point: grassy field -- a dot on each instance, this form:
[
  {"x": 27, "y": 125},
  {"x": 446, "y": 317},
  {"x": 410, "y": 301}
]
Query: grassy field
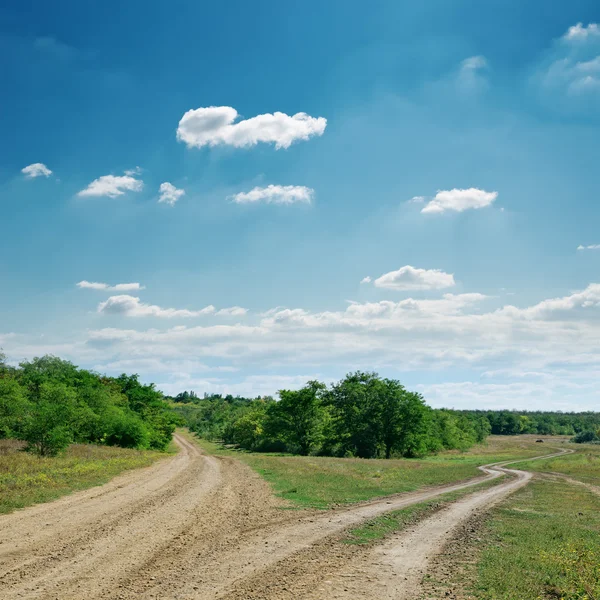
[
  {"x": 26, "y": 479},
  {"x": 548, "y": 533},
  {"x": 584, "y": 465},
  {"x": 321, "y": 482}
]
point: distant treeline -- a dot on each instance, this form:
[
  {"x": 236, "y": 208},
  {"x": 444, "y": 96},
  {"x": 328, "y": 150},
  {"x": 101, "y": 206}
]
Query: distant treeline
[
  {"x": 50, "y": 403},
  {"x": 509, "y": 422},
  {"x": 363, "y": 415}
]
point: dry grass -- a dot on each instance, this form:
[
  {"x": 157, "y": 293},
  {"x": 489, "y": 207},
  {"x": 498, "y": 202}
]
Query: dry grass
[{"x": 26, "y": 479}]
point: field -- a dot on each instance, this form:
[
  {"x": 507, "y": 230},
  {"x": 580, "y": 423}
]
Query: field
[
  {"x": 321, "y": 482},
  {"x": 26, "y": 479}
]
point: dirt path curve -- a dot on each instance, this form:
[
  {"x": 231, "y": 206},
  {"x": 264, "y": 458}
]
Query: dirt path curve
[
  {"x": 193, "y": 526},
  {"x": 394, "y": 569}
]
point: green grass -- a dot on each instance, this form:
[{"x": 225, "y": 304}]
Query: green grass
[
  {"x": 26, "y": 479},
  {"x": 543, "y": 542},
  {"x": 583, "y": 466},
  {"x": 380, "y": 527},
  {"x": 322, "y": 482}
]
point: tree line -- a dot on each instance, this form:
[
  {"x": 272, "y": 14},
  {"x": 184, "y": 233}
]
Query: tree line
[
  {"x": 362, "y": 415},
  {"x": 512, "y": 422},
  {"x": 50, "y": 403}
]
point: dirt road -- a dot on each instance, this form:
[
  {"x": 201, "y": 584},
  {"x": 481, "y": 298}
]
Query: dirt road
[{"x": 204, "y": 527}]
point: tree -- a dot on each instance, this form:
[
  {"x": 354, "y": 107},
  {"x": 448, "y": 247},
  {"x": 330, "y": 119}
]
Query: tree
[
  {"x": 358, "y": 414},
  {"x": 14, "y": 408},
  {"x": 48, "y": 427},
  {"x": 297, "y": 418}
]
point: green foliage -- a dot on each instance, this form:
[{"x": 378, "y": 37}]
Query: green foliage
[
  {"x": 363, "y": 415},
  {"x": 297, "y": 418},
  {"x": 49, "y": 424},
  {"x": 13, "y": 407},
  {"x": 587, "y": 437},
  {"x": 50, "y": 403},
  {"x": 509, "y": 422}
]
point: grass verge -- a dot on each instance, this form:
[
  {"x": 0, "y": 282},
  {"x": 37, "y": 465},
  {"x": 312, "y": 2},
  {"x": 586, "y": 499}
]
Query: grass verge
[
  {"x": 379, "y": 528},
  {"x": 26, "y": 479},
  {"x": 321, "y": 482},
  {"x": 548, "y": 533}
]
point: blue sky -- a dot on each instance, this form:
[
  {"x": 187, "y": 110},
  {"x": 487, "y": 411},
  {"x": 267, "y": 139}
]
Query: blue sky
[{"x": 409, "y": 188}]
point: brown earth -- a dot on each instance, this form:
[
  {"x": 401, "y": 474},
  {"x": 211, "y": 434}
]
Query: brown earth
[{"x": 205, "y": 527}]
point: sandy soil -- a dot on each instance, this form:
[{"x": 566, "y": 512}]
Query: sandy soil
[{"x": 204, "y": 527}]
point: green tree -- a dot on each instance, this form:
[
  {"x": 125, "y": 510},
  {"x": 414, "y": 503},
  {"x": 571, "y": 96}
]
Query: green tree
[
  {"x": 357, "y": 414},
  {"x": 297, "y": 418},
  {"x": 48, "y": 427},
  {"x": 14, "y": 407}
]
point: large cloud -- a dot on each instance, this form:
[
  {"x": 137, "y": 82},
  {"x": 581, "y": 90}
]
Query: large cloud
[
  {"x": 216, "y": 126},
  {"x": 275, "y": 194},
  {"x": 459, "y": 200},
  {"x": 410, "y": 278}
]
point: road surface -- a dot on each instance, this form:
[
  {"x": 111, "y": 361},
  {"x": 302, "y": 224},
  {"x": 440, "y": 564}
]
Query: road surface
[{"x": 203, "y": 527}]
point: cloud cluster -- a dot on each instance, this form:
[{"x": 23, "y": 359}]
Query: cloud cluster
[
  {"x": 216, "y": 126},
  {"x": 589, "y": 247},
  {"x": 275, "y": 194},
  {"x": 458, "y": 200},
  {"x": 36, "y": 170},
  {"x": 169, "y": 194},
  {"x": 572, "y": 69},
  {"x": 556, "y": 337},
  {"x": 106, "y": 287},
  {"x": 112, "y": 186},
  {"x": 411, "y": 278}
]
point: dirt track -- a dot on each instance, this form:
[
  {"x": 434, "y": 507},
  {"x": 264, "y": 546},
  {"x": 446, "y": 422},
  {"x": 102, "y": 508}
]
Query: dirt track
[{"x": 203, "y": 527}]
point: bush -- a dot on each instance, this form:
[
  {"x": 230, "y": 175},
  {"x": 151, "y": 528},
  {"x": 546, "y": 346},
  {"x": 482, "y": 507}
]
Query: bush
[{"x": 586, "y": 437}]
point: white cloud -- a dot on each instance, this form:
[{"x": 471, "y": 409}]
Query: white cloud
[
  {"x": 590, "y": 247},
  {"x": 119, "y": 287},
  {"x": 215, "y": 126},
  {"x": 459, "y": 200},
  {"x": 112, "y": 186},
  {"x": 169, "y": 193},
  {"x": 552, "y": 344},
  {"x": 410, "y": 278},
  {"x": 132, "y": 172},
  {"x": 580, "y": 32},
  {"x": 233, "y": 311},
  {"x": 131, "y": 306},
  {"x": 275, "y": 194},
  {"x": 36, "y": 170},
  {"x": 571, "y": 70},
  {"x": 417, "y": 199},
  {"x": 366, "y": 279}
]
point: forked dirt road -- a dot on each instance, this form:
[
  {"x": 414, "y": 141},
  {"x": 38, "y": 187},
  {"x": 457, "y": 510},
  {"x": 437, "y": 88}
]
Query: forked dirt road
[{"x": 204, "y": 527}]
